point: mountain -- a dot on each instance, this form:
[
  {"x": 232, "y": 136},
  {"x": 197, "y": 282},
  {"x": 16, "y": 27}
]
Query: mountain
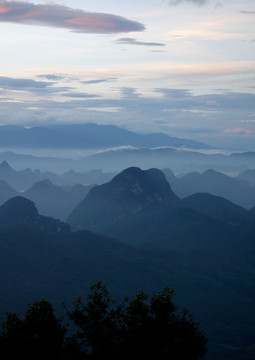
[
  {"x": 133, "y": 191},
  {"x": 6, "y": 192},
  {"x": 51, "y": 200},
  {"x": 248, "y": 175},
  {"x": 218, "y": 207},
  {"x": 216, "y": 286},
  {"x": 117, "y": 159},
  {"x": 94, "y": 176},
  {"x": 213, "y": 182},
  {"x": 142, "y": 210},
  {"x": 45, "y": 163},
  {"x": 87, "y": 136},
  {"x": 252, "y": 210},
  {"x": 23, "y": 211},
  {"x": 55, "y": 201}
]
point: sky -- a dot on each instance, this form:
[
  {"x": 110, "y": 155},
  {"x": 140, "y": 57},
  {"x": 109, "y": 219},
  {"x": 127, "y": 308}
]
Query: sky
[{"x": 183, "y": 67}]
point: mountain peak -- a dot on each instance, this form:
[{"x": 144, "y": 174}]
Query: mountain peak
[
  {"x": 18, "y": 207},
  {"x": 130, "y": 192},
  {"x": 5, "y": 166},
  {"x": 21, "y": 210}
]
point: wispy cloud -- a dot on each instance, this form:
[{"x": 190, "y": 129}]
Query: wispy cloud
[
  {"x": 238, "y": 131},
  {"x": 53, "y": 77},
  {"x": 80, "y": 95},
  {"x": 65, "y": 17},
  {"x": 9, "y": 83},
  {"x": 197, "y": 2},
  {"x": 247, "y": 12},
  {"x": 98, "y": 81},
  {"x": 133, "y": 41}
]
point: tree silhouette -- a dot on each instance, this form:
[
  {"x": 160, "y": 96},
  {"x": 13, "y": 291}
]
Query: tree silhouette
[
  {"x": 37, "y": 335},
  {"x": 140, "y": 327}
]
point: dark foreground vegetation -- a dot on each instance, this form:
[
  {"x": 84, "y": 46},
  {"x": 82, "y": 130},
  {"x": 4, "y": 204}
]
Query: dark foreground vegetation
[{"x": 100, "y": 327}]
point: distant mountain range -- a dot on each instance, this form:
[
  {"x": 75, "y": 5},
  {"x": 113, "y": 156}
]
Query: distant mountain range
[
  {"x": 201, "y": 245},
  {"x": 238, "y": 189},
  {"x": 49, "y": 190},
  {"x": 139, "y": 207},
  {"x": 86, "y": 136},
  {"x": 19, "y": 210},
  {"x": 179, "y": 160},
  {"x": 22, "y": 180}
]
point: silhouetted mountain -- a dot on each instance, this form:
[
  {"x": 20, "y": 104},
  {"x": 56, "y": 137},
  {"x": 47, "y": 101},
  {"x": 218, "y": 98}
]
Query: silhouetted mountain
[
  {"x": 6, "y": 192},
  {"x": 87, "y": 136},
  {"x": 45, "y": 163},
  {"x": 218, "y": 207},
  {"x": 50, "y": 199},
  {"x": 248, "y": 175},
  {"x": 133, "y": 191},
  {"x": 217, "y": 287},
  {"x": 135, "y": 209},
  {"x": 54, "y": 201},
  {"x": 21, "y": 210},
  {"x": 94, "y": 176},
  {"x": 252, "y": 210},
  {"x": 213, "y": 182}
]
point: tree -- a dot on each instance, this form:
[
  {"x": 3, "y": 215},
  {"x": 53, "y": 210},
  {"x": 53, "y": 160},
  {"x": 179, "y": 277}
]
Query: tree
[
  {"x": 140, "y": 327},
  {"x": 36, "y": 336},
  {"x": 137, "y": 328}
]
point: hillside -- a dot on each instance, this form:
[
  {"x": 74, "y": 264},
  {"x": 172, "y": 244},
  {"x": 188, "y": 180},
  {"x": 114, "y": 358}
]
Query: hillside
[
  {"x": 88, "y": 135},
  {"x": 133, "y": 191},
  {"x": 19, "y": 210},
  {"x": 62, "y": 266},
  {"x": 130, "y": 211},
  {"x": 232, "y": 188}
]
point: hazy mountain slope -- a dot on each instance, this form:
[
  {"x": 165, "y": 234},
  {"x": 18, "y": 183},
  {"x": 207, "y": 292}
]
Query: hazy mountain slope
[
  {"x": 87, "y": 136},
  {"x": 51, "y": 200},
  {"x": 124, "y": 209},
  {"x": 215, "y": 183},
  {"x": 62, "y": 266},
  {"x": 21, "y": 210},
  {"x": 55, "y": 201},
  {"x": 252, "y": 210},
  {"x": 218, "y": 207},
  {"x": 248, "y": 175},
  {"x": 6, "y": 192},
  {"x": 133, "y": 191}
]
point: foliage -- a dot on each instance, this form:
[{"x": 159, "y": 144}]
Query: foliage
[
  {"x": 35, "y": 336},
  {"x": 136, "y": 328},
  {"x": 103, "y": 328}
]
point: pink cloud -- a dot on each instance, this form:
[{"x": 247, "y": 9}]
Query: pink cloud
[
  {"x": 64, "y": 17},
  {"x": 238, "y": 131}
]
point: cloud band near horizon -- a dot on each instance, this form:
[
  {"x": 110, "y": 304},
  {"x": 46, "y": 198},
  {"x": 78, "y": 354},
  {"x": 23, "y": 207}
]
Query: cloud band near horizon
[{"x": 59, "y": 16}]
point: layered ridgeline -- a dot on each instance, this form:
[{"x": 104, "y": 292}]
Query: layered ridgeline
[
  {"x": 128, "y": 194},
  {"x": 19, "y": 210},
  {"x": 139, "y": 207},
  {"x": 203, "y": 247}
]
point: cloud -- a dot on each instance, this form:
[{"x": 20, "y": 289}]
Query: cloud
[
  {"x": 8, "y": 83},
  {"x": 247, "y": 12},
  {"x": 80, "y": 95},
  {"x": 196, "y": 2},
  {"x": 238, "y": 131},
  {"x": 54, "y": 77},
  {"x": 98, "y": 81},
  {"x": 64, "y": 17},
  {"x": 133, "y": 41}
]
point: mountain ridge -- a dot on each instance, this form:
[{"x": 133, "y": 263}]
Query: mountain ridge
[{"x": 87, "y": 135}]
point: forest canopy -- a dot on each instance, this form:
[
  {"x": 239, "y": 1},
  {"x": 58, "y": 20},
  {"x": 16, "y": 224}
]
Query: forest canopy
[{"x": 101, "y": 327}]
